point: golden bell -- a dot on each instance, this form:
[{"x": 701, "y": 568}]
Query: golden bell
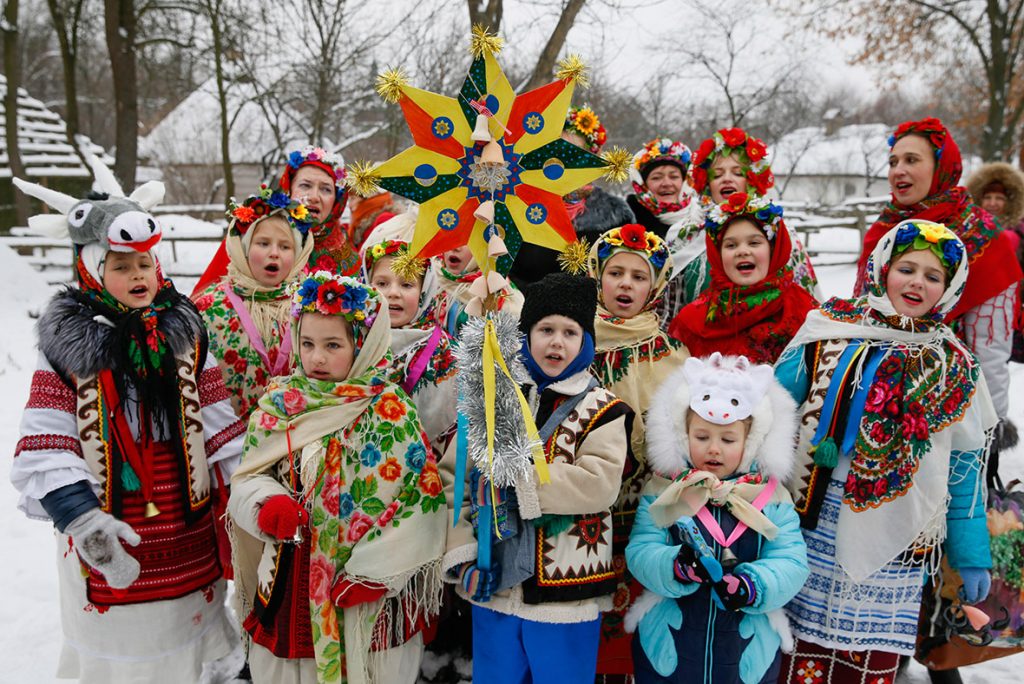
[
  {"x": 481, "y": 131},
  {"x": 151, "y": 510},
  {"x": 496, "y": 247},
  {"x": 496, "y": 282}
]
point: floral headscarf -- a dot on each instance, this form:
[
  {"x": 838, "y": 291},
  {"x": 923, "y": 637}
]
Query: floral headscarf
[
  {"x": 659, "y": 152},
  {"x": 584, "y": 122},
  {"x": 399, "y": 251},
  {"x": 634, "y": 239},
  {"x": 330, "y": 294},
  {"x": 751, "y": 153}
]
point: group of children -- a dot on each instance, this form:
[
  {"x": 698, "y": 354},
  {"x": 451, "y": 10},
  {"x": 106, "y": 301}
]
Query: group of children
[{"x": 700, "y": 513}]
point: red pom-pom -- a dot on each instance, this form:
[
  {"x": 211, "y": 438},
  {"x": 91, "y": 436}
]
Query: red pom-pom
[{"x": 281, "y": 516}]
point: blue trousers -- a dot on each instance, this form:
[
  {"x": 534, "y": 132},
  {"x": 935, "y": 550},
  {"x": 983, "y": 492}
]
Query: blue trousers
[{"x": 511, "y": 650}]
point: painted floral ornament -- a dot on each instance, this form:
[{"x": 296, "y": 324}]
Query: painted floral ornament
[{"x": 488, "y": 167}]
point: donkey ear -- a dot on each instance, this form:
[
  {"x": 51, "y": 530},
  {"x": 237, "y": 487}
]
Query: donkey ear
[
  {"x": 56, "y": 200},
  {"x": 148, "y": 195},
  {"x": 105, "y": 179}
]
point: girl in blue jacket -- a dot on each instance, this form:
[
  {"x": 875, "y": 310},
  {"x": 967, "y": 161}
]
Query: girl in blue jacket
[{"x": 716, "y": 541}]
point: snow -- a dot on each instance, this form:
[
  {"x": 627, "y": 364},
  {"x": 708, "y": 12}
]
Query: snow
[{"x": 29, "y": 611}]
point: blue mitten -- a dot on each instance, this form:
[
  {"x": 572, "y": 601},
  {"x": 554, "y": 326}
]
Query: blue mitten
[
  {"x": 736, "y": 591},
  {"x": 977, "y": 582},
  {"x": 480, "y": 583}
]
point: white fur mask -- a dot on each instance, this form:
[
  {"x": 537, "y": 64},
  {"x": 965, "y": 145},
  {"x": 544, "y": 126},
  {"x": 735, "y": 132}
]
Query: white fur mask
[{"x": 724, "y": 390}]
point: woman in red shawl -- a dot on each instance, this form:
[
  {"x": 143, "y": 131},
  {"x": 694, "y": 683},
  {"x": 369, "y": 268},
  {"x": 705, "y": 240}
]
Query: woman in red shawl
[
  {"x": 316, "y": 178},
  {"x": 924, "y": 172},
  {"x": 753, "y": 306}
]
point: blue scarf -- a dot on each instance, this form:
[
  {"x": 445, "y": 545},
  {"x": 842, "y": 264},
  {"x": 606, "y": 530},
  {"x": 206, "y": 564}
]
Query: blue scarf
[{"x": 582, "y": 361}]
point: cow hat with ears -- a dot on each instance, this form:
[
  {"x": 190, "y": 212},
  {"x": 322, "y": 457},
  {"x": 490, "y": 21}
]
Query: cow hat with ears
[{"x": 723, "y": 390}]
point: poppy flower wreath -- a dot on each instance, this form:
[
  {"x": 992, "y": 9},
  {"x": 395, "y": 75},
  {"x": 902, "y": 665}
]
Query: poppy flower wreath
[
  {"x": 765, "y": 213},
  {"x": 663, "y": 149},
  {"x": 935, "y": 237},
  {"x": 750, "y": 151},
  {"x": 584, "y": 122},
  {"x": 633, "y": 236},
  {"x": 269, "y": 202},
  {"x": 329, "y": 294},
  {"x": 930, "y": 127},
  {"x": 334, "y": 164}
]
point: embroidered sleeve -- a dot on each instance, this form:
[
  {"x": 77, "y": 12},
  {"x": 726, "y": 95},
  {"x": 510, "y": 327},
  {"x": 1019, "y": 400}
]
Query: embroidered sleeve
[
  {"x": 48, "y": 455},
  {"x": 222, "y": 428}
]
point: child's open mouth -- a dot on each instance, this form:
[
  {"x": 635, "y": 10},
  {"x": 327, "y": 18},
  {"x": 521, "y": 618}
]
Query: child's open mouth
[
  {"x": 624, "y": 301},
  {"x": 554, "y": 358},
  {"x": 139, "y": 291},
  {"x": 319, "y": 374},
  {"x": 912, "y": 298},
  {"x": 394, "y": 308},
  {"x": 746, "y": 267},
  {"x": 712, "y": 463},
  {"x": 453, "y": 262},
  {"x": 272, "y": 268}
]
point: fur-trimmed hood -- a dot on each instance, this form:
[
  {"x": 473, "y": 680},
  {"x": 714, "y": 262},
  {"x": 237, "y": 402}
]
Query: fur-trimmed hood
[
  {"x": 1011, "y": 178},
  {"x": 770, "y": 443},
  {"x": 77, "y": 341}
]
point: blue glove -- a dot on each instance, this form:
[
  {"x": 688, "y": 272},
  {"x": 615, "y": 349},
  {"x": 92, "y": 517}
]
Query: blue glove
[
  {"x": 480, "y": 584},
  {"x": 977, "y": 582}
]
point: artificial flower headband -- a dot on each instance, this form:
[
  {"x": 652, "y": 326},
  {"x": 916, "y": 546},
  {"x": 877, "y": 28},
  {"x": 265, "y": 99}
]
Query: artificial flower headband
[
  {"x": 266, "y": 203},
  {"x": 751, "y": 152},
  {"x": 664, "y": 150},
  {"x": 766, "y": 213},
  {"x": 634, "y": 237},
  {"x": 935, "y": 237},
  {"x": 325, "y": 293},
  {"x": 333, "y": 163},
  {"x": 405, "y": 265},
  {"x": 584, "y": 122}
]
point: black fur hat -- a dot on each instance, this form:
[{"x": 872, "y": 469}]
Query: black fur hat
[{"x": 560, "y": 294}]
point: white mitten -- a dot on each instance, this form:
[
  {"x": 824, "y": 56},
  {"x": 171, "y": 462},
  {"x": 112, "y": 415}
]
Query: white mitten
[{"x": 97, "y": 537}]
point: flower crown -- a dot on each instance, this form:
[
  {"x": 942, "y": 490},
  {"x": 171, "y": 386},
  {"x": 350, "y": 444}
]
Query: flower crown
[
  {"x": 663, "y": 149},
  {"x": 584, "y": 121},
  {"x": 765, "y": 212},
  {"x": 750, "y": 151},
  {"x": 325, "y": 293},
  {"x": 405, "y": 265},
  {"x": 319, "y": 155},
  {"x": 930, "y": 127},
  {"x": 935, "y": 237},
  {"x": 269, "y": 202},
  {"x": 632, "y": 236}
]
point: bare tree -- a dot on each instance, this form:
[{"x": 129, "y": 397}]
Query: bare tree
[
  {"x": 12, "y": 73},
  {"x": 922, "y": 31},
  {"x": 486, "y": 13},
  {"x": 121, "y": 23},
  {"x": 549, "y": 55},
  {"x": 66, "y": 16}
]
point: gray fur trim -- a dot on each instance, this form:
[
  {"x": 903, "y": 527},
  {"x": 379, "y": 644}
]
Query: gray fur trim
[
  {"x": 604, "y": 212},
  {"x": 78, "y": 342},
  {"x": 770, "y": 444},
  {"x": 1006, "y": 435},
  {"x": 1011, "y": 178}
]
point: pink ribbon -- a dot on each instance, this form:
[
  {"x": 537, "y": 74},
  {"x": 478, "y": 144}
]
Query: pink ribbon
[
  {"x": 704, "y": 515},
  {"x": 284, "y": 353},
  {"x": 420, "y": 361}
]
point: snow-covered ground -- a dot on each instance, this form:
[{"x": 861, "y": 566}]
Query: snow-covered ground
[{"x": 30, "y": 639}]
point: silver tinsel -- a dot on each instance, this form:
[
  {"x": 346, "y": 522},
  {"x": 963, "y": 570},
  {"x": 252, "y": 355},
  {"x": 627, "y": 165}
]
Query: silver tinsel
[{"x": 512, "y": 446}]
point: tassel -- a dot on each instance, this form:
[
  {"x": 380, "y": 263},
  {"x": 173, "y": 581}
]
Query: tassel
[
  {"x": 553, "y": 524},
  {"x": 129, "y": 480},
  {"x": 826, "y": 454}
]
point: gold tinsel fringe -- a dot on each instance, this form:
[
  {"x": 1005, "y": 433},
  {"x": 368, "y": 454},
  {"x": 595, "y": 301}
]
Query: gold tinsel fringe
[
  {"x": 573, "y": 258},
  {"x": 362, "y": 178},
  {"x": 390, "y": 84},
  {"x": 573, "y": 68},
  {"x": 618, "y": 161},
  {"x": 484, "y": 42},
  {"x": 408, "y": 266}
]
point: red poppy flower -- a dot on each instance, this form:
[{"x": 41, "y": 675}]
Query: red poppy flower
[
  {"x": 700, "y": 179},
  {"x": 762, "y": 182},
  {"x": 736, "y": 203},
  {"x": 756, "y": 150},
  {"x": 704, "y": 151},
  {"x": 258, "y": 208},
  {"x": 733, "y": 137},
  {"x": 633, "y": 236},
  {"x": 328, "y": 297}
]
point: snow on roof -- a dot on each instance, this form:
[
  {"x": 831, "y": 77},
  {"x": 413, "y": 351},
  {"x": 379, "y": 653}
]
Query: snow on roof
[
  {"x": 43, "y": 142},
  {"x": 855, "y": 150},
  {"x": 190, "y": 133}
]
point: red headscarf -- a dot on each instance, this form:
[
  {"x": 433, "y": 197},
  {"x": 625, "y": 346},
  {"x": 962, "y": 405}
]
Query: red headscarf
[
  {"x": 758, "y": 320},
  {"x": 993, "y": 268}
]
